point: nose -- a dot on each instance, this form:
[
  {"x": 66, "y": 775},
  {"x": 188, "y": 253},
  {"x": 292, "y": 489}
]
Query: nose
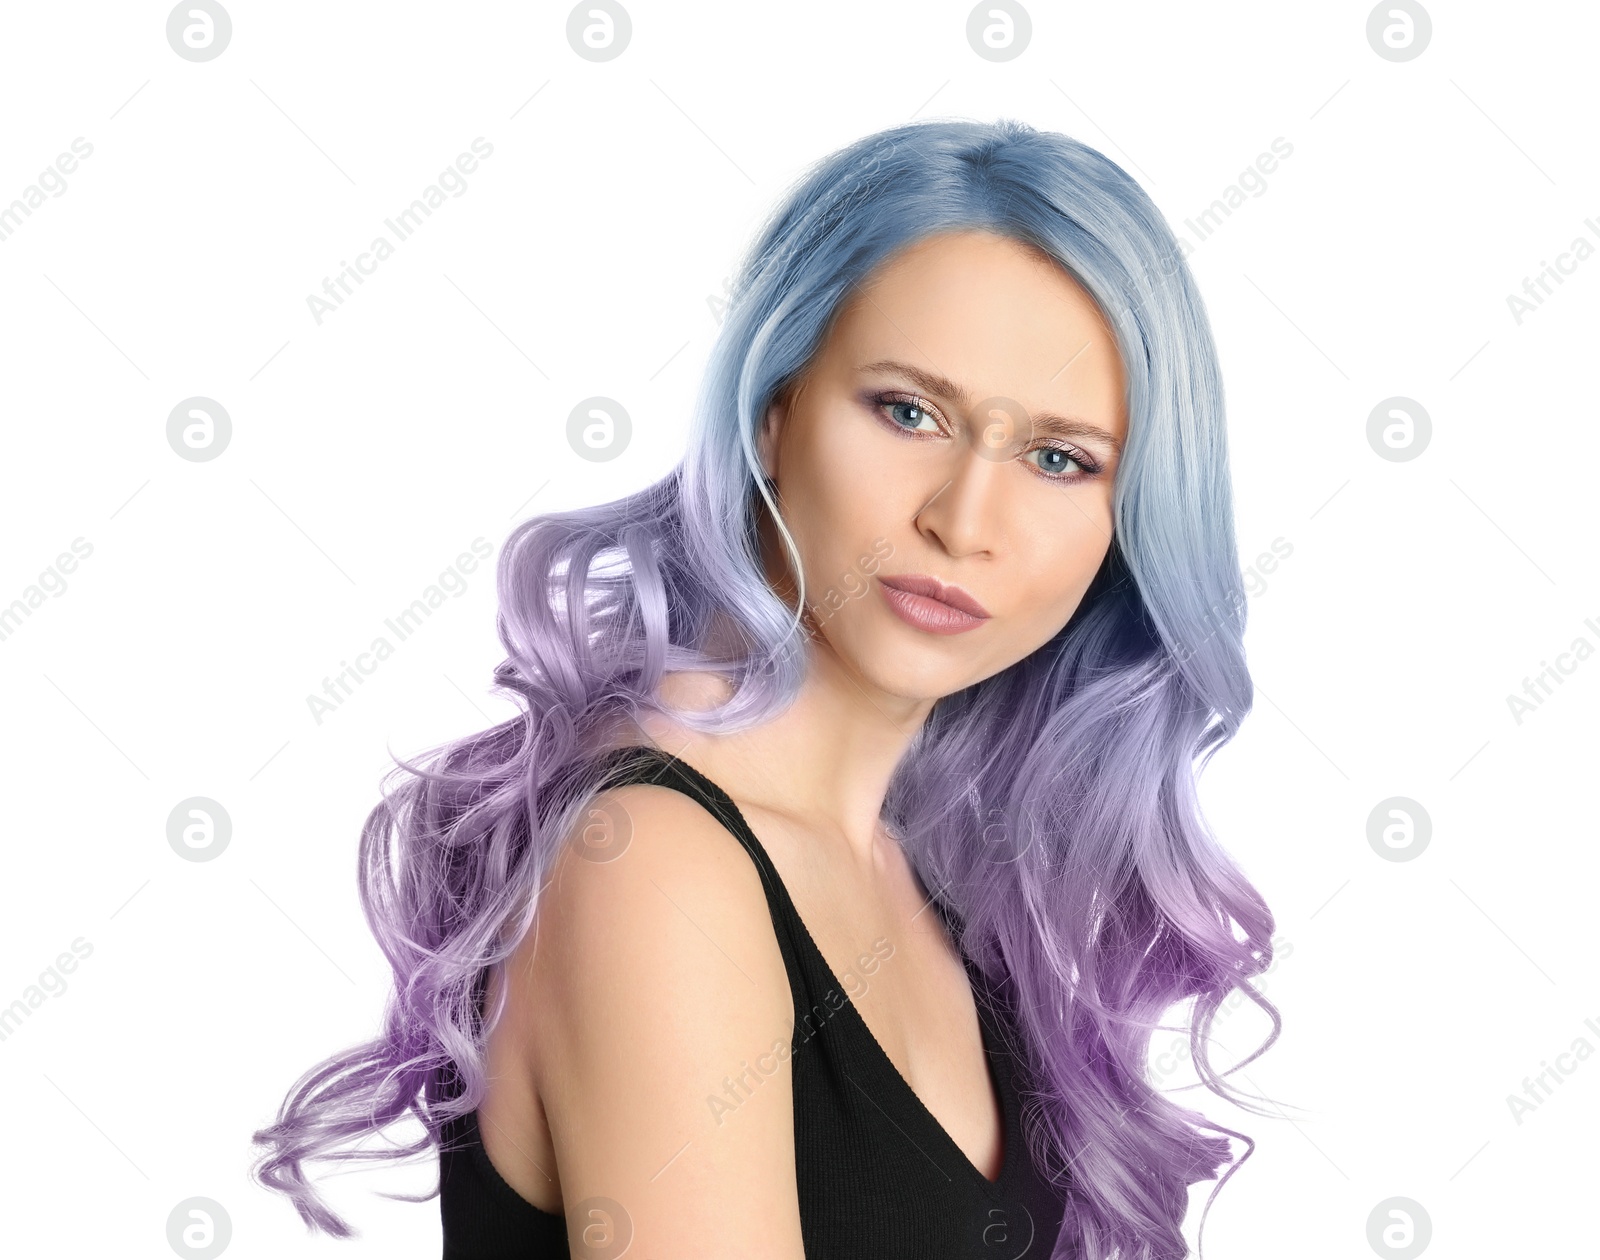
[{"x": 965, "y": 515}]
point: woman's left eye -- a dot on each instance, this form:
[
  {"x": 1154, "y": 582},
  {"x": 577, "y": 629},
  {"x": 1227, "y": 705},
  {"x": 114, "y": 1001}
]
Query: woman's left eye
[{"x": 1055, "y": 461}]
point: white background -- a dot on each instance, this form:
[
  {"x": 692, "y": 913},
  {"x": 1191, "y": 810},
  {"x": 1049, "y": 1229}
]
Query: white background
[{"x": 368, "y": 451}]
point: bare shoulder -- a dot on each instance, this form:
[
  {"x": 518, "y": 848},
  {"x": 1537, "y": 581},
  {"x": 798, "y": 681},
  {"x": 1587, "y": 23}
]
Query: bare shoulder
[
  {"x": 655, "y": 976},
  {"x": 640, "y": 864}
]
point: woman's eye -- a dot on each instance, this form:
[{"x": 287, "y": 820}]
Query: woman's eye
[
  {"x": 911, "y": 416},
  {"x": 1057, "y": 462}
]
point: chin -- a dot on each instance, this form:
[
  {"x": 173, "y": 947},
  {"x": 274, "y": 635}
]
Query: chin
[{"x": 898, "y": 665}]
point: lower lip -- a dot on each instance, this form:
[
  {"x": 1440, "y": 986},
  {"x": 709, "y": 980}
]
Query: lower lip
[{"x": 930, "y": 615}]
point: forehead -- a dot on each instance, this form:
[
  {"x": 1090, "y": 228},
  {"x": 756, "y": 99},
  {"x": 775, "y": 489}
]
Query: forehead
[{"x": 991, "y": 313}]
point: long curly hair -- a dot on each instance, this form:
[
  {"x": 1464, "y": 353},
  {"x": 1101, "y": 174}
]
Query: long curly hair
[{"x": 1053, "y": 804}]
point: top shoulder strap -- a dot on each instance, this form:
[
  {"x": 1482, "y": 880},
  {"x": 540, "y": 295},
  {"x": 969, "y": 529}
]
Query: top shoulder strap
[{"x": 642, "y": 763}]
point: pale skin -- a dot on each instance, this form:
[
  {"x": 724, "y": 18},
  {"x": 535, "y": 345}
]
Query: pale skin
[{"x": 651, "y": 978}]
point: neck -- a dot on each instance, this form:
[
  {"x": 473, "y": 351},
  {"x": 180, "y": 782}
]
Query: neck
[{"x": 827, "y": 759}]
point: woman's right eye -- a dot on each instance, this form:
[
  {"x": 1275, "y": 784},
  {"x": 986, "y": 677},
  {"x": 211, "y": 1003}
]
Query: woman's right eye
[{"x": 909, "y": 414}]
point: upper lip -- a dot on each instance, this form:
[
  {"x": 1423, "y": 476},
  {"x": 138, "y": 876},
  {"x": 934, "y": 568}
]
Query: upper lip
[{"x": 933, "y": 588}]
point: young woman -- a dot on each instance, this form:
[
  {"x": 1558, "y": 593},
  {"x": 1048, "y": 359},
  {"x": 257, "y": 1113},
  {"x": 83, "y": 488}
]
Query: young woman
[{"x": 826, "y": 896}]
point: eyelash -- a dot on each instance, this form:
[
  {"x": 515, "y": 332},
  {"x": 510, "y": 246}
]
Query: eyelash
[{"x": 1090, "y": 466}]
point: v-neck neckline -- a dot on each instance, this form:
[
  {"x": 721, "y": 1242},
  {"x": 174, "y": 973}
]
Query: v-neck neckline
[
  {"x": 994, "y": 1064},
  {"x": 994, "y": 1051}
]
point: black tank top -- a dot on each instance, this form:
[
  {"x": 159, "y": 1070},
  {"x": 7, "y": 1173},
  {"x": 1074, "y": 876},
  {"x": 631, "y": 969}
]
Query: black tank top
[{"x": 878, "y": 1175}]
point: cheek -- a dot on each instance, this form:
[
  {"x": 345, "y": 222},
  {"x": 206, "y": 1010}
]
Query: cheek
[
  {"x": 1055, "y": 574},
  {"x": 833, "y": 494}
]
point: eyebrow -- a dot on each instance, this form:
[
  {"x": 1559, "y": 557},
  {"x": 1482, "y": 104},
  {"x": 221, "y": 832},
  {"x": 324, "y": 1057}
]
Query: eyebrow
[{"x": 942, "y": 386}]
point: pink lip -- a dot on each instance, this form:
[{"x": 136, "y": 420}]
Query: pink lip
[{"x": 928, "y": 604}]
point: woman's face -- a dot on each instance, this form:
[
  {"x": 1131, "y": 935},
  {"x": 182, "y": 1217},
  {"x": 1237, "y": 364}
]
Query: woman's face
[{"x": 962, "y": 422}]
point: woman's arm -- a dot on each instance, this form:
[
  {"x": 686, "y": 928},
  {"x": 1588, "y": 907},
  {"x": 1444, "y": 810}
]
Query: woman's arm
[{"x": 656, "y": 986}]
